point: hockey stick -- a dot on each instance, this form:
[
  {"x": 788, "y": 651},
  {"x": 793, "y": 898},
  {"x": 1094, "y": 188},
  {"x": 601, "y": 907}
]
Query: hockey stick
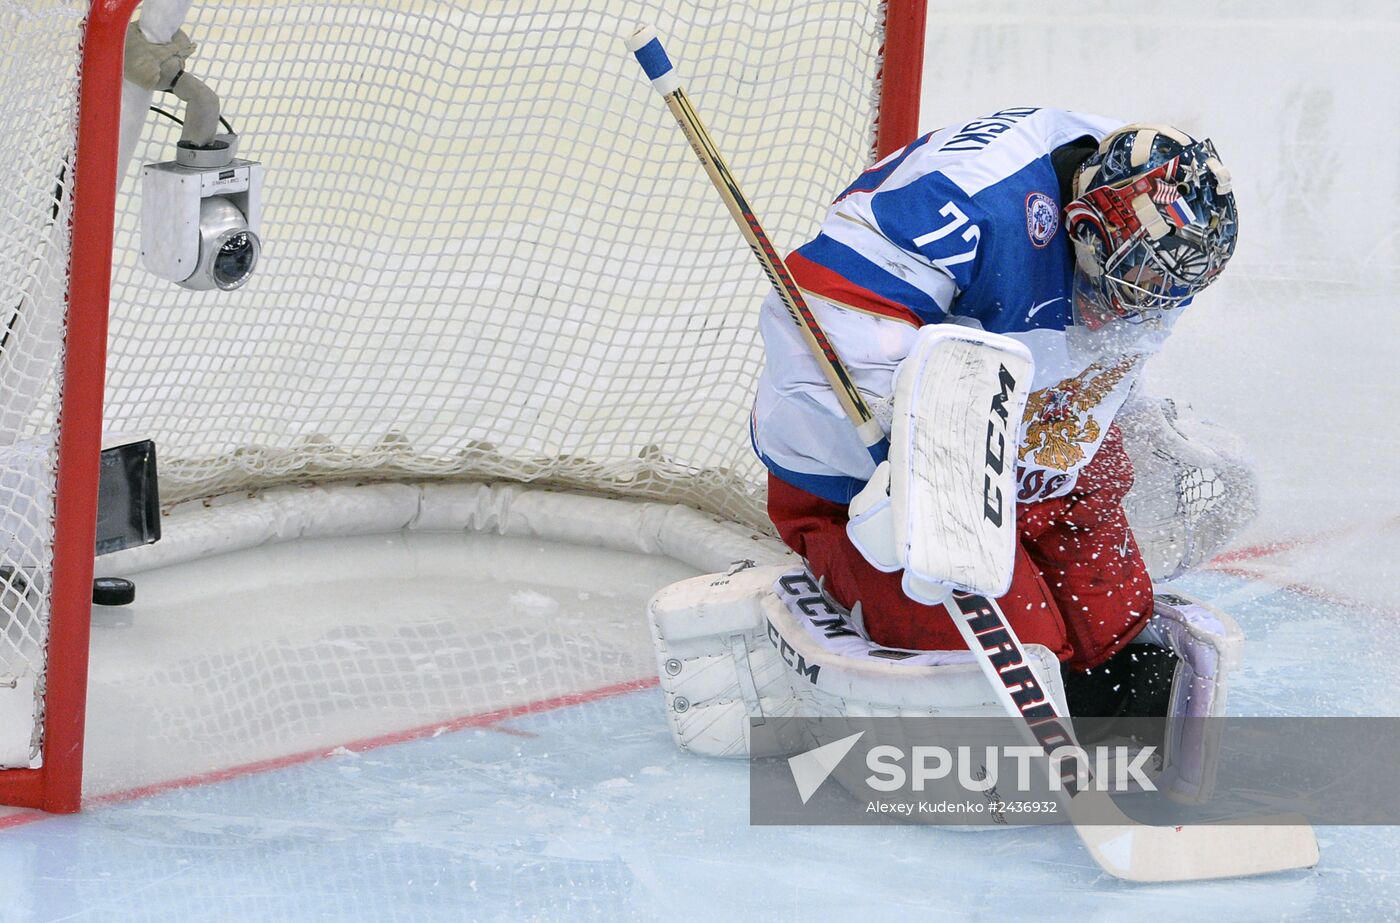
[
  {"x": 1121, "y": 846},
  {"x": 646, "y": 45}
]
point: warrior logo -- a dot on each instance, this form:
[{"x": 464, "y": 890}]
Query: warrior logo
[
  {"x": 1042, "y": 219},
  {"x": 1058, "y": 424}
]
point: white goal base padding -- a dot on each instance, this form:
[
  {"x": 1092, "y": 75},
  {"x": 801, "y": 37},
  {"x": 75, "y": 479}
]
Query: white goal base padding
[
  {"x": 199, "y": 529},
  {"x": 314, "y": 619}
]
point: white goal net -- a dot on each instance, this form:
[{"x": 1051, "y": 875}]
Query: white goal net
[
  {"x": 487, "y": 251},
  {"x": 487, "y": 254}
]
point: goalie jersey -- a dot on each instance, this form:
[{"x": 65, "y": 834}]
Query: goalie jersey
[{"x": 961, "y": 226}]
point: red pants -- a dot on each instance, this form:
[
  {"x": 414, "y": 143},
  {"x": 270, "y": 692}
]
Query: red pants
[{"x": 1079, "y": 587}]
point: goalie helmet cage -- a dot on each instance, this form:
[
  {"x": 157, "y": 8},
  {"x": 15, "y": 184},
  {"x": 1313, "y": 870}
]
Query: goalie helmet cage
[{"x": 487, "y": 258}]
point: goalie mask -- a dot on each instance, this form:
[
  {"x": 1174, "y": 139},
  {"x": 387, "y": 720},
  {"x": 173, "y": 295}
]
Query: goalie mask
[{"x": 1152, "y": 223}]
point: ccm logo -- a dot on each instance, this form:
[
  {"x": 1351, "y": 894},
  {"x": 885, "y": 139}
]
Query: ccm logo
[
  {"x": 791, "y": 657},
  {"x": 996, "y": 448}
]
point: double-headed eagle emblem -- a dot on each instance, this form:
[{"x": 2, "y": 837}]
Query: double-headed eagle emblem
[{"x": 1058, "y": 421}]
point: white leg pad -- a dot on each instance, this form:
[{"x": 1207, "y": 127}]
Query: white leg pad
[
  {"x": 768, "y": 643},
  {"x": 1209, "y": 644},
  {"x": 716, "y": 665}
]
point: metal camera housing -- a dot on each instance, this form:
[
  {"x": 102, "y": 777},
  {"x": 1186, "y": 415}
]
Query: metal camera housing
[
  {"x": 200, "y": 216},
  {"x": 228, "y": 249}
]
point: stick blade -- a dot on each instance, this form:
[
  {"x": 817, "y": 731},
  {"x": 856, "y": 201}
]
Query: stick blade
[{"x": 1135, "y": 852}]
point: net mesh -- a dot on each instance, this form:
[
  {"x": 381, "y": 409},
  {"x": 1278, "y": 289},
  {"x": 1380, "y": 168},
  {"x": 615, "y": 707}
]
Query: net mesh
[
  {"x": 1194, "y": 487},
  {"x": 38, "y": 108},
  {"x": 488, "y": 252}
]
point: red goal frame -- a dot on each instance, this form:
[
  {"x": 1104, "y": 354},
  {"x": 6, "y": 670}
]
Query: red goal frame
[{"x": 57, "y": 785}]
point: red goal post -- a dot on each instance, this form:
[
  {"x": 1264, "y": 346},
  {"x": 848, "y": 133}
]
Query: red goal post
[
  {"x": 56, "y": 785},
  {"x": 54, "y": 782},
  {"x": 901, "y": 75}
]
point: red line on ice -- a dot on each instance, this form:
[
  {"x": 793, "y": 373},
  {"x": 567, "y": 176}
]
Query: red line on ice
[
  {"x": 1303, "y": 589},
  {"x": 1268, "y": 549},
  {"x": 487, "y": 719}
]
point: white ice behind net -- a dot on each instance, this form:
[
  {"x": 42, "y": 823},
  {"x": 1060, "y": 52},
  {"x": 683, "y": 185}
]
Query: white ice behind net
[{"x": 488, "y": 252}]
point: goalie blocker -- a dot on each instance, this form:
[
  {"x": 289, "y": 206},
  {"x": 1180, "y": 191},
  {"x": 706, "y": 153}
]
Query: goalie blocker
[{"x": 942, "y": 509}]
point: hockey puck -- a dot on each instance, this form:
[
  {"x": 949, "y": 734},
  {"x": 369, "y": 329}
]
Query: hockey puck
[{"x": 112, "y": 591}]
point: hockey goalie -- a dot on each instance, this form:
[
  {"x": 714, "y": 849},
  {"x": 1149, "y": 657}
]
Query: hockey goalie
[{"x": 1053, "y": 249}]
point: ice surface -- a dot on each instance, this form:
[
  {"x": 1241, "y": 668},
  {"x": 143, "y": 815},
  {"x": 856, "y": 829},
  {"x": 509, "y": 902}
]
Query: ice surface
[
  {"x": 281, "y": 650},
  {"x": 433, "y": 728},
  {"x": 433, "y": 768}
]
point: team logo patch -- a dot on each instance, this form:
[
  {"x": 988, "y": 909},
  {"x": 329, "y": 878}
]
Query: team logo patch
[
  {"x": 1059, "y": 421},
  {"x": 1042, "y": 218}
]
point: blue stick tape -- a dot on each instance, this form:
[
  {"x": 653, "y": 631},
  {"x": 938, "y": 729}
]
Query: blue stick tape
[{"x": 653, "y": 59}]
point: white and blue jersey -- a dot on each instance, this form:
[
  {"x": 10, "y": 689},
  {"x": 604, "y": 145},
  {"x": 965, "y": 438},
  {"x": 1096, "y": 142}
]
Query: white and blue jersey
[{"x": 961, "y": 226}]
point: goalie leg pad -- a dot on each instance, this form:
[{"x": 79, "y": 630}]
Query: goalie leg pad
[
  {"x": 768, "y": 643},
  {"x": 716, "y": 664},
  {"x": 1208, "y": 644}
]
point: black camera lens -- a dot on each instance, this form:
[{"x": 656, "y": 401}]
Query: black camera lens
[{"x": 234, "y": 262}]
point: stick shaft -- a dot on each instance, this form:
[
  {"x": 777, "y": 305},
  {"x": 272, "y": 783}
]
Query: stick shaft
[{"x": 702, "y": 142}]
